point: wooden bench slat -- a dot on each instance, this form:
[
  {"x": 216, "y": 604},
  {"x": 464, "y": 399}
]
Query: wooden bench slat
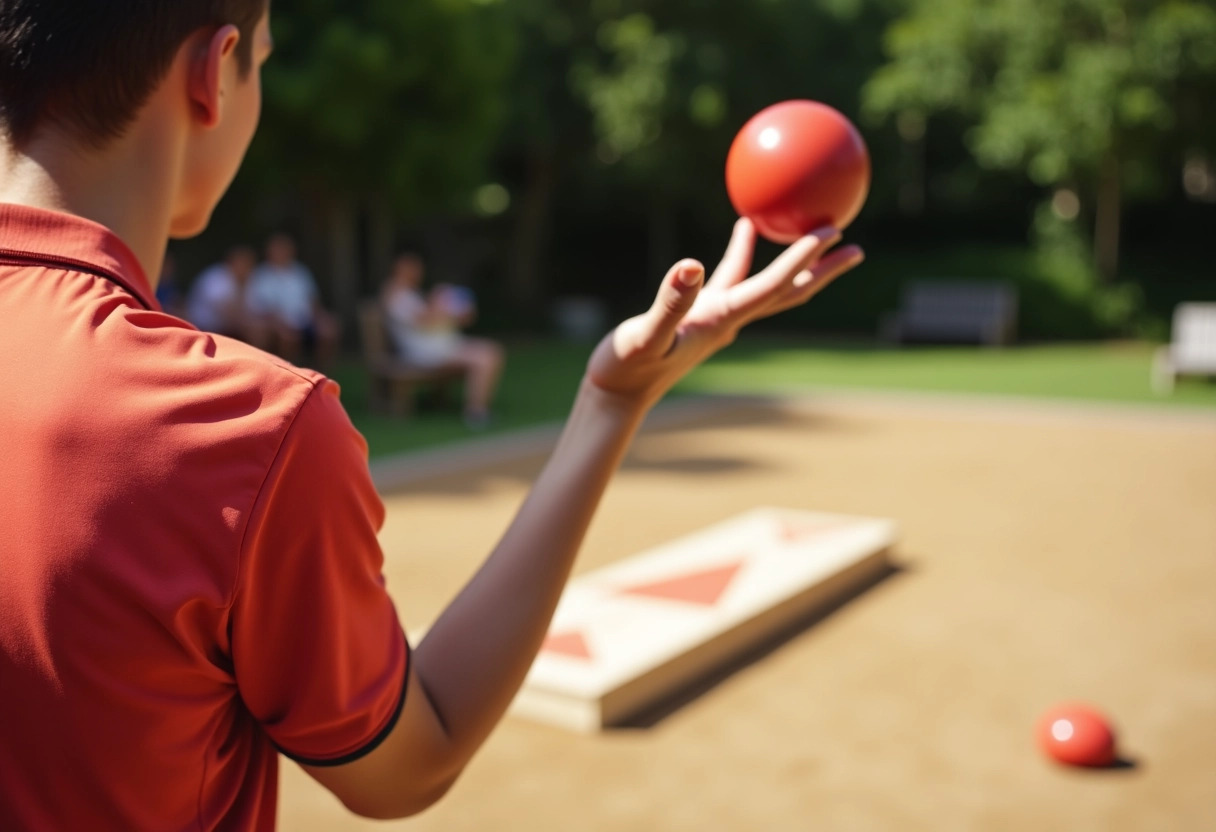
[
  {"x": 394, "y": 381},
  {"x": 954, "y": 310}
]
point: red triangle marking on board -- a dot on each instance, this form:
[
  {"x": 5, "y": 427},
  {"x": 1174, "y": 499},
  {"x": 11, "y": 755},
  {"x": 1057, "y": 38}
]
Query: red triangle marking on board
[
  {"x": 573, "y": 645},
  {"x": 800, "y": 532},
  {"x": 702, "y": 588}
]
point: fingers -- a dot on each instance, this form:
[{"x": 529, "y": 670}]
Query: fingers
[
  {"x": 799, "y": 255},
  {"x": 750, "y": 298},
  {"x": 676, "y": 296},
  {"x": 737, "y": 262},
  {"x": 813, "y": 281}
]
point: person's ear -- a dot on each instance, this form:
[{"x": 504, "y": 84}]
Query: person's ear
[{"x": 207, "y": 74}]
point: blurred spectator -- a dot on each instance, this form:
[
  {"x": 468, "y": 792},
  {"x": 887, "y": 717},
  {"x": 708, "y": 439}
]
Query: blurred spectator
[
  {"x": 285, "y": 310},
  {"x": 217, "y": 299},
  {"x": 426, "y": 332},
  {"x": 168, "y": 294}
]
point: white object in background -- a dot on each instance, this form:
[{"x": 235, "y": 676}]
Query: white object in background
[
  {"x": 628, "y": 635},
  {"x": 1192, "y": 350}
]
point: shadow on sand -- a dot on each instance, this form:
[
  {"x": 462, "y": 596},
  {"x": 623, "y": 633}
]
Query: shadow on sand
[{"x": 657, "y": 712}]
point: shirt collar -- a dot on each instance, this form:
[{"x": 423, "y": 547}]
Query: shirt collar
[{"x": 56, "y": 239}]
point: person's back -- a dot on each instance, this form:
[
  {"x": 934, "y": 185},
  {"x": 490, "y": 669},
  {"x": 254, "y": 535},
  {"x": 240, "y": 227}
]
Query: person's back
[
  {"x": 140, "y": 539},
  {"x": 78, "y": 527},
  {"x": 191, "y": 580}
]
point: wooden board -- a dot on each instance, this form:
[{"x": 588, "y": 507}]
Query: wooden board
[{"x": 628, "y": 635}]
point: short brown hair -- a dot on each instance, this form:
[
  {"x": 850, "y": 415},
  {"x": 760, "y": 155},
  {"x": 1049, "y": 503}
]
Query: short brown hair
[{"x": 90, "y": 65}]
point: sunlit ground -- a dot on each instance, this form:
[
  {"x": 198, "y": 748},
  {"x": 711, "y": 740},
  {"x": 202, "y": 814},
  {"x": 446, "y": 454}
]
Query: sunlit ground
[{"x": 1046, "y": 554}]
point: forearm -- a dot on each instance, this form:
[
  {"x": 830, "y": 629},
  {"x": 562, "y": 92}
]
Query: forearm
[
  {"x": 471, "y": 664},
  {"x": 475, "y": 657}
]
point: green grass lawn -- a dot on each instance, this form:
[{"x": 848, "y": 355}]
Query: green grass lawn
[
  {"x": 542, "y": 376},
  {"x": 1115, "y": 372}
]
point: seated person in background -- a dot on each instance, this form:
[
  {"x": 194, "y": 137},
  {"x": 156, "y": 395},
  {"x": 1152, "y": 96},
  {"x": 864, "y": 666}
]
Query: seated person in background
[
  {"x": 285, "y": 312},
  {"x": 217, "y": 299},
  {"x": 426, "y": 332},
  {"x": 168, "y": 295}
]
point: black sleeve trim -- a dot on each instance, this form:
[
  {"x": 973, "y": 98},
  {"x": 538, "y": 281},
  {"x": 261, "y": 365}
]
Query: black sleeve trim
[{"x": 375, "y": 741}]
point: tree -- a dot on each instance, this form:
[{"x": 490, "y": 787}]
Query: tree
[
  {"x": 669, "y": 82},
  {"x": 377, "y": 109},
  {"x": 1091, "y": 95}
]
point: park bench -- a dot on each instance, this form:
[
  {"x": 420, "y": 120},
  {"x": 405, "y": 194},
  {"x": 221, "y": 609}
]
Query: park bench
[
  {"x": 942, "y": 310},
  {"x": 1192, "y": 350},
  {"x": 394, "y": 382}
]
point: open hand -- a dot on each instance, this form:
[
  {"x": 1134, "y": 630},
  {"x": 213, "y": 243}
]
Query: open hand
[{"x": 646, "y": 355}]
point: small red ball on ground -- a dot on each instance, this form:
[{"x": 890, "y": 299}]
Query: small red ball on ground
[
  {"x": 1077, "y": 735},
  {"x": 797, "y": 166}
]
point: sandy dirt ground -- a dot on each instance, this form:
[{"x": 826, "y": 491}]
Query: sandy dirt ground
[{"x": 1047, "y": 553}]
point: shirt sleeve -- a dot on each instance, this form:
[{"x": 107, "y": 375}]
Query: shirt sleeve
[{"x": 319, "y": 655}]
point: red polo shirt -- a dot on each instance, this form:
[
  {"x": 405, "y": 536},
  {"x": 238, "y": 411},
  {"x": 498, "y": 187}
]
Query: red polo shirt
[{"x": 190, "y": 579}]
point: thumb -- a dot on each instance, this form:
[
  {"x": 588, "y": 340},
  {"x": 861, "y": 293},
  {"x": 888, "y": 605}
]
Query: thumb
[{"x": 676, "y": 296}]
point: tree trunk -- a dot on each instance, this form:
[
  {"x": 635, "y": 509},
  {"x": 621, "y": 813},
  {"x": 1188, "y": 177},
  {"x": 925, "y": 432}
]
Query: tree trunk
[
  {"x": 344, "y": 258},
  {"x": 661, "y": 251},
  {"x": 532, "y": 231},
  {"x": 381, "y": 243},
  {"x": 1107, "y": 219},
  {"x": 914, "y": 147}
]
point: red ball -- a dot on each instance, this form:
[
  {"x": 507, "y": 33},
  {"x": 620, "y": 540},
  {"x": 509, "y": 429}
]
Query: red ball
[
  {"x": 1077, "y": 735},
  {"x": 797, "y": 166}
]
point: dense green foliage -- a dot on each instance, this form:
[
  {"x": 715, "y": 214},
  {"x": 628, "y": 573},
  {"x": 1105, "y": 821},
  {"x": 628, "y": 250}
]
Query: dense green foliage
[
  {"x": 1095, "y": 98},
  {"x": 383, "y": 99},
  {"x": 1058, "y": 87},
  {"x": 537, "y": 148}
]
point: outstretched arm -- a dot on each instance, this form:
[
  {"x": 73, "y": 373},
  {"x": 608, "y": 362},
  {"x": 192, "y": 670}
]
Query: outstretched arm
[{"x": 472, "y": 662}]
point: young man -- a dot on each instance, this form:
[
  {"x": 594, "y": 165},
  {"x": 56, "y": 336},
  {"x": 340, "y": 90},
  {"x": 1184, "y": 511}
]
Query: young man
[{"x": 191, "y": 580}]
